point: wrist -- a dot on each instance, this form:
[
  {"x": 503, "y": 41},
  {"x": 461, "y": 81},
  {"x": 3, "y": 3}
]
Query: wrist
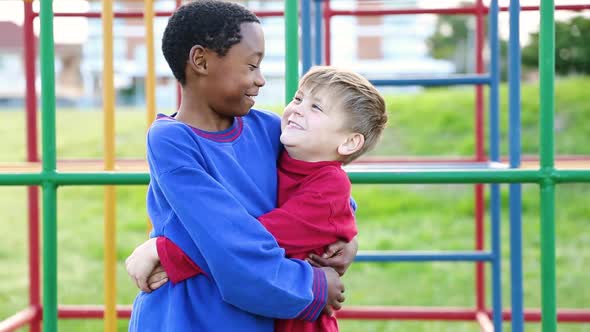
[{"x": 153, "y": 250}]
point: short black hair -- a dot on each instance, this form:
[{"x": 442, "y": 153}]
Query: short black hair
[{"x": 213, "y": 24}]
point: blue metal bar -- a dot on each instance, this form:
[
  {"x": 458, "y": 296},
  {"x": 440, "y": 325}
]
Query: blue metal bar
[
  {"x": 318, "y": 15},
  {"x": 495, "y": 156},
  {"x": 515, "y": 189},
  {"x": 305, "y": 36},
  {"x": 459, "y": 80},
  {"x": 426, "y": 256}
]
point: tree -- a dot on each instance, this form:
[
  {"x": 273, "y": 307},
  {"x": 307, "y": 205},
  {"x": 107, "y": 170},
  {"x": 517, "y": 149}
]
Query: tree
[
  {"x": 572, "y": 47},
  {"x": 451, "y": 41}
]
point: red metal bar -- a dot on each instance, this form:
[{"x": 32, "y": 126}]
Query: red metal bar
[
  {"x": 178, "y": 86},
  {"x": 450, "y": 314},
  {"x": 32, "y": 156},
  {"x": 90, "y": 311},
  {"x": 140, "y": 14},
  {"x": 562, "y": 7},
  {"x": 480, "y": 291},
  {"x": 365, "y": 312},
  {"x": 328, "y": 13},
  {"x": 19, "y": 319},
  {"x": 34, "y": 260},
  {"x": 30, "y": 92},
  {"x": 410, "y": 11},
  {"x": 441, "y": 11},
  {"x": 406, "y": 313}
]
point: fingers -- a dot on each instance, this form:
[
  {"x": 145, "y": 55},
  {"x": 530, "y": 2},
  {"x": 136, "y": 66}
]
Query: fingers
[
  {"x": 158, "y": 284},
  {"x": 312, "y": 262},
  {"x": 157, "y": 279},
  {"x": 143, "y": 285},
  {"x": 333, "y": 249},
  {"x": 320, "y": 261}
]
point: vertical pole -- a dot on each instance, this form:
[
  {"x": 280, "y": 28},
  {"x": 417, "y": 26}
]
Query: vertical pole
[
  {"x": 495, "y": 156},
  {"x": 318, "y": 31},
  {"x": 49, "y": 166},
  {"x": 547, "y": 76},
  {"x": 480, "y": 299},
  {"x": 178, "y": 86},
  {"x": 291, "y": 49},
  {"x": 305, "y": 35},
  {"x": 110, "y": 258},
  {"x": 32, "y": 156},
  {"x": 327, "y": 32},
  {"x": 150, "y": 79},
  {"x": 515, "y": 189}
]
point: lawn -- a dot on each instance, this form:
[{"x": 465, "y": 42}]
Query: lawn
[{"x": 437, "y": 122}]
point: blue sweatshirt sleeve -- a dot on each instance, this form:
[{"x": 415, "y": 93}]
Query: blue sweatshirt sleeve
[{"x": 244, "y": 260}]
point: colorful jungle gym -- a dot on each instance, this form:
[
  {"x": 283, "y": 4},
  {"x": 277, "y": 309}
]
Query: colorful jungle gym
[{"x": 316, "y": 15}]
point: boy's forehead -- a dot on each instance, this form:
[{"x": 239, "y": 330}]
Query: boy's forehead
[{"x": 320, "y": 92}]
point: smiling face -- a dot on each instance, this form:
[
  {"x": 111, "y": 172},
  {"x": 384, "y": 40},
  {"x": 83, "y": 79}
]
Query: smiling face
[
  {"x": 314, "y": 126},
  {"x": 233, "y": 80}
]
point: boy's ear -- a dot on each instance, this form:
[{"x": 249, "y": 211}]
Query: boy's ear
[
  {"x": 353, "y": 143},
  {"x": 198, "y": 59}
]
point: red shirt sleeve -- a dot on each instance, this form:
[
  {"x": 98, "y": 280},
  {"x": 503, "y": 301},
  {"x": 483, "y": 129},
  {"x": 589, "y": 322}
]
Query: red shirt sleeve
[
  {"x": 176, "y": 263},
  {"x": 318, "y": 214}
]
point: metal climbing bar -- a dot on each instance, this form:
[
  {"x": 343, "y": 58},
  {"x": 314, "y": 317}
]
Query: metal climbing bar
[
  {"x": 547, "y": 158},
  {"x": 457, "y": 80},
  {"x": 109, "y": 232},
  {"x": 417, "y": 256},
  {"x": 515, "y": 189}
]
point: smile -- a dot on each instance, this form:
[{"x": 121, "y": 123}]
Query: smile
[{"x": 294, "y": 125}]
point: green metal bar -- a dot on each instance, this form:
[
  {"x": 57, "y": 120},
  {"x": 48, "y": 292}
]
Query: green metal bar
[
  {"x": 565, "y": 176},
  {"x": 406, "y": 177},
  {"x": 478, "y": 176},
  {"x": 548, "y": 288},
  {"x": 68, "y": 179},
  {"x": 21, "y": 179},
  {"x": 47, "y": 85},
  {"x": 547, "y": 78},
  {"x": 507, "y": 176},
  {"x": 547, "y": 159},
  {"x": 291, "y": 49},
  {"x": 103, "y": 178},
  {"x": 49, "y": 257},
  {"x": 47, "y": 59}
]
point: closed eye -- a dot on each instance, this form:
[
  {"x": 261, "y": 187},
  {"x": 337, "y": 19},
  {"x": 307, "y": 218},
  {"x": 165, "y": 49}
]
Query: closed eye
[{"x": 317, "y": 107}]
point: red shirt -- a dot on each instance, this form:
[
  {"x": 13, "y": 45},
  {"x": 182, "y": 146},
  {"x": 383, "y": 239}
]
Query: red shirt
[{"x": 314, "y": 211}]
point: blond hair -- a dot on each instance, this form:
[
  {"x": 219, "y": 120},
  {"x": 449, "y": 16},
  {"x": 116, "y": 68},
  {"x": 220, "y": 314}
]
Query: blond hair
[{"x": 363, "y": 105}]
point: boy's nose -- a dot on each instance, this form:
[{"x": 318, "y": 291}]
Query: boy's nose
[{"x": 259, "y": 80}]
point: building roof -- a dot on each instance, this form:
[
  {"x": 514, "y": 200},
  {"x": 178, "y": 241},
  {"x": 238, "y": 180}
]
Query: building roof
[{"x": 11, "y": 36}]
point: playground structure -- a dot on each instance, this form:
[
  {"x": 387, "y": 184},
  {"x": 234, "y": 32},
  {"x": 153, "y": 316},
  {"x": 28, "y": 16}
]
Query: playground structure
[{"x": 315, "y": 23}]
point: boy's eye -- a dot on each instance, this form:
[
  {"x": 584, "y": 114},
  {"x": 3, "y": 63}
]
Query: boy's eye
[
  {"x": 317, "y": 107},
  {"x": 253, "y": 67},
  {"x": 297, "y": 99}
]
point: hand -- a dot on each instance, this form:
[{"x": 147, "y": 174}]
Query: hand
[
  {"x": 335, "y": 291},
  {"x": 142, "y": 261},
  {"x": 157, "y": 278},
  {"x": 339, "y": 255}
]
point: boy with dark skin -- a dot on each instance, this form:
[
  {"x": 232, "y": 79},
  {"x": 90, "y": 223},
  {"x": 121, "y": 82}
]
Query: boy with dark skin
[
  {"x": 335, "y": 117},
  {"x": 213, "y": 170}
]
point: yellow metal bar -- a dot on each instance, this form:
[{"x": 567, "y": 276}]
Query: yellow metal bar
[
  {"x": 110, "y": 258},
  {"x": 150, "y": 78}
]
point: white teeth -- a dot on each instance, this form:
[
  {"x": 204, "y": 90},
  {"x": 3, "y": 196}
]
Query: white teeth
[{"x": 293, "y": 124}]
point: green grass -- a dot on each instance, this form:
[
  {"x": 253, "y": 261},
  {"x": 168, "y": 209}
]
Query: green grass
[{"x": 398, "y": 217}]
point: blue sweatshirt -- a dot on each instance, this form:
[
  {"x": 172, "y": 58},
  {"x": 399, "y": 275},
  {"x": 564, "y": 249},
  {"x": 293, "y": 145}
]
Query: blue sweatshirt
[{"x": 206, "y": 191}]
